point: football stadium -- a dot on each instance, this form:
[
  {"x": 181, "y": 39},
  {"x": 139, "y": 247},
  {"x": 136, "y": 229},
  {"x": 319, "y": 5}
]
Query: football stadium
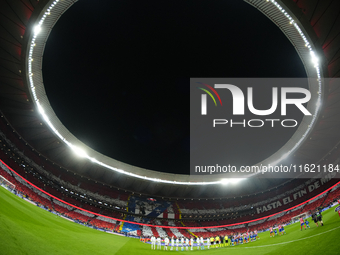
[{"x": 101, "y": 152}]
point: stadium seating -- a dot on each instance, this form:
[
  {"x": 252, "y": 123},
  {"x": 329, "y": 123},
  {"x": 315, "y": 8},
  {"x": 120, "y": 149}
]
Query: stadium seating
[
  {"x": 104, "y": 223},
  {"x": 219, "y": 211}
]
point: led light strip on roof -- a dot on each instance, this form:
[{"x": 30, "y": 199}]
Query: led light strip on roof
[
  {"x": 315, "y": 61},
  {"x": 49, "y": 119}
]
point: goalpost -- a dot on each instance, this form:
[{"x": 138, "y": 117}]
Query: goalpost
[
  {"x": 297, "y": 217},
  {"x": 6, "y": 184}
]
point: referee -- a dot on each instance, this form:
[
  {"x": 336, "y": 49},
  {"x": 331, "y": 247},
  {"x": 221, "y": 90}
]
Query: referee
[{"x": 319, "y": 217}]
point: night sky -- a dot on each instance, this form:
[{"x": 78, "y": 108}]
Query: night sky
[{"x": 113, "y": 69}]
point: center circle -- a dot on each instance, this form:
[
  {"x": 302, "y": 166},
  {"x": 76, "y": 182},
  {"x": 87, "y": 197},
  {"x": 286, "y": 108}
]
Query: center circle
[{"x": 117, "y": 74}]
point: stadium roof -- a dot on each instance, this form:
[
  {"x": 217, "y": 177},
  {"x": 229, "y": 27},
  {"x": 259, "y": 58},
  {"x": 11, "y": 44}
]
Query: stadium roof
[{"x": 19, "y": 24}]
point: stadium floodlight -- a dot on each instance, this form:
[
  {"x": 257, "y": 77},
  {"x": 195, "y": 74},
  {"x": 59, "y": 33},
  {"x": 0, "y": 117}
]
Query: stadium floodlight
[
  {"x": 235, "y": 180},
  {"x": 94, "y": 160},
  {"x": 225, "y": 181},
  {"x": 37, "y": 29},
  {"x": 80, "y": 152},
  {"x": 315, "y": 59}
]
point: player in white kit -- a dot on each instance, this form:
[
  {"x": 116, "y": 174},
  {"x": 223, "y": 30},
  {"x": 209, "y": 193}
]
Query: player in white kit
[
  {"x": 208, "y": 242},
  {"x": 182, "y": 243},
  {"x": 172, "y": 243},
  {"x": 187, "y": 244},
  {"x": 202, "y": 243},
  {"x": 166, "y": 243},
  {"x": 153, "y": 243},
  {"x": 159, "y": 241},
  {"x": 198, "y": 240},
  {"x": 191, "y": 243},
  {"x": 177, "y": 243}
]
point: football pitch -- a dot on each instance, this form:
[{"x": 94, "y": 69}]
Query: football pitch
[{"x": 28, "y": 229}]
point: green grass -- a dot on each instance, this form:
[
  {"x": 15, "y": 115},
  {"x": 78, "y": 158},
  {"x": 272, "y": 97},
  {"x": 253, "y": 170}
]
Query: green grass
[{"x": 27, "y": 229}]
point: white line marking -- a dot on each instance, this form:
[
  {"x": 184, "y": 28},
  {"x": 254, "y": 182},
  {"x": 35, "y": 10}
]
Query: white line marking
[{"x": 291, "y": 241}]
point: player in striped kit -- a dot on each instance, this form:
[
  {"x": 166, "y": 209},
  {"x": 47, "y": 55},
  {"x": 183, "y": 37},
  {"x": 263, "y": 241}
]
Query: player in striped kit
[{"x": 302, "y": 223}]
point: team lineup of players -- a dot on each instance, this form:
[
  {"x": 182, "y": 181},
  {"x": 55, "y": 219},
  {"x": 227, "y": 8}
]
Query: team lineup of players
[
  {"x": 209, "y": 242},
  {"x": 216, "y": 242}
]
